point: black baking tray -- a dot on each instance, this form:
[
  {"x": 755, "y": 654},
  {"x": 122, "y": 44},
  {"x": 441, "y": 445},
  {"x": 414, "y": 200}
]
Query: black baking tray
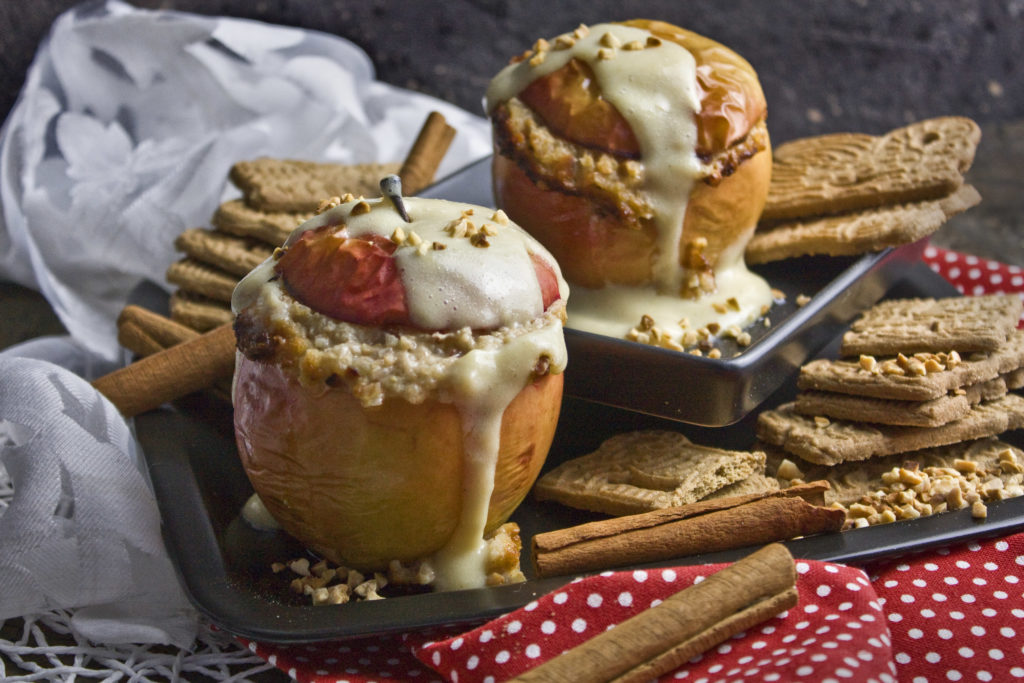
[
  {"x": 706, "y": 391},
  {"x": 224, "y": 565}
]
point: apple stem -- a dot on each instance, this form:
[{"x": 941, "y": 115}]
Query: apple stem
[{"x": 391, "y": 187}]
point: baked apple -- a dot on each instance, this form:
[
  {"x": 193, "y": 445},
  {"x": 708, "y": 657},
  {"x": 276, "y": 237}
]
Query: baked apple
[
  {"x": 398, "y": 383},
  {"x": 639, "y": 155}
]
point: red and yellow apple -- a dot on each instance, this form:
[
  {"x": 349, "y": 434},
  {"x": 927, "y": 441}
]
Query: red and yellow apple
[{"x": 365, "y": 484}]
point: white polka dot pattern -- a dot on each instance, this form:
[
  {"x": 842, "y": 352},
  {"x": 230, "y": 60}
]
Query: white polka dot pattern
[
  {"x": 957, "y": 617},
  {"x": 973, "y": 276},
  {"x": 837, "y": 626}
]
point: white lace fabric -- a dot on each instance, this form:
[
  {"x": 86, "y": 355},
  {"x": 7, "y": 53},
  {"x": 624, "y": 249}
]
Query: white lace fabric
[{"x": 122, "y": 137}]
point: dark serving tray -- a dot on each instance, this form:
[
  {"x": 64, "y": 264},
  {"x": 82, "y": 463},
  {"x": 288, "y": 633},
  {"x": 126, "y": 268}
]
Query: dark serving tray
[
  {"x": 224, "y": 565},
  {"x": 705, "y": 391}
]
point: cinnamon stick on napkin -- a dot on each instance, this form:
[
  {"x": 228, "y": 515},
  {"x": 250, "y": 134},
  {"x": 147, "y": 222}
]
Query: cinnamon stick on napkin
[
  {"x": 692, "y": 621},
  {"x": 703, "y": 527}
]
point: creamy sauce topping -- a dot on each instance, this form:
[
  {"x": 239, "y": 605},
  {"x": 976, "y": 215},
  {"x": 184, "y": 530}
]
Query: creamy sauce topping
[
  {"x": 459, "y": 286},
  {"x": 257, "y": 515},
  {"x": 655, "y": 91}
]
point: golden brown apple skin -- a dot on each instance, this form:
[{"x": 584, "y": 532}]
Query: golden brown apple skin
[
  {"x": 363, "y": 486},
  {"x": 595, "y": 249}
]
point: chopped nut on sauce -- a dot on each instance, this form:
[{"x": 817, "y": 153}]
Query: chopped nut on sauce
[
  {"x": 733, "y": 303},
  {"x": 978, "y": 510},
  {"x": 744, "y": 339},
  {"x": 820, "y": 421},
  {"x": 713, "y": 327},
  {"x": 328, "y": 204},
  {"x": 606, "y": 54},
  {"x": 398, "y": 236},
  {"x": 360, "y": 208},
  {"x": 582, "y": 31},
  {"x": 500, "y": 217},
  {"x": 719, "y": 307},
  {"x": 653, "y": 41},
  {"x": 610, "y": 40},
  {"x": 633, "y": 45},
  {"x": 564, "y": 42}
]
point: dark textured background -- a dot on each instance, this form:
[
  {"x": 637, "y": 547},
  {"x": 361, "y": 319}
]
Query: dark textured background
[
  {"x": 867, "y": 65},
  {"x": 854, "y": 65}
]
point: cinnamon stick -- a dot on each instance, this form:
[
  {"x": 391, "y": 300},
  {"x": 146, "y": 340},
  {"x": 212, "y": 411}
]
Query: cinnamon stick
[
  {"x": 144, "y": 332},
  {"x": 425, "y": 156},
  {"x": 692, "y": 621},
  {"x": 711, "y": 526},
  {"x": 171, "y": 373}
]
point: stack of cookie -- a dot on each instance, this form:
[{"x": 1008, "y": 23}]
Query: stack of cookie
[
  {"x": 277, "y": 196},
  {"x": 852, "y": 193},
  {"x": 913, "y": 374}
]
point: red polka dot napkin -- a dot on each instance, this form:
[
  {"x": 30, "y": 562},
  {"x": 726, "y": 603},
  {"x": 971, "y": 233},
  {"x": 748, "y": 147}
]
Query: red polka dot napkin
[
  {"x": 947, "y": 615},
  {"x": 957, "y": 614},
  {"x": 974, "y": 276}
]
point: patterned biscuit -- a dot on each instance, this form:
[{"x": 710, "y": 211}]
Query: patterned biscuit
[
  {"x": 848, "y": 377},
  {"x": 237, "y": 255},
  {"x": 199, "y": 278},
  {"x": 850, "y": 482},
  {"x": 294, "y": 185},
  {"x": 849, "y": 172},
  {"x": 829, "y": 442},
  {"x": 932, "y": 413},
  {"x": 755, "y": 483},
  {"x": 969, "y": 323},
  {"x": 199, "y": 312},
  {"x": 645, "y": 470},
  {"x": 272, "y": 227},
  {"x": 860, "y": 232}
]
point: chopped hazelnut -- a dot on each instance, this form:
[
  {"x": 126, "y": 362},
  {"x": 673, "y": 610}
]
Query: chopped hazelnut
[
  {"x": 965, "y": 466},
  {"x": 789, "y": 470}
]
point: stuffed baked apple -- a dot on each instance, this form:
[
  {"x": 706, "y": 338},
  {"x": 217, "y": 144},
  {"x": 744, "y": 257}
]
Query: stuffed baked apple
[
  {"x": 398, "y": 383},
  {"x": 638, "y": 153}
]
